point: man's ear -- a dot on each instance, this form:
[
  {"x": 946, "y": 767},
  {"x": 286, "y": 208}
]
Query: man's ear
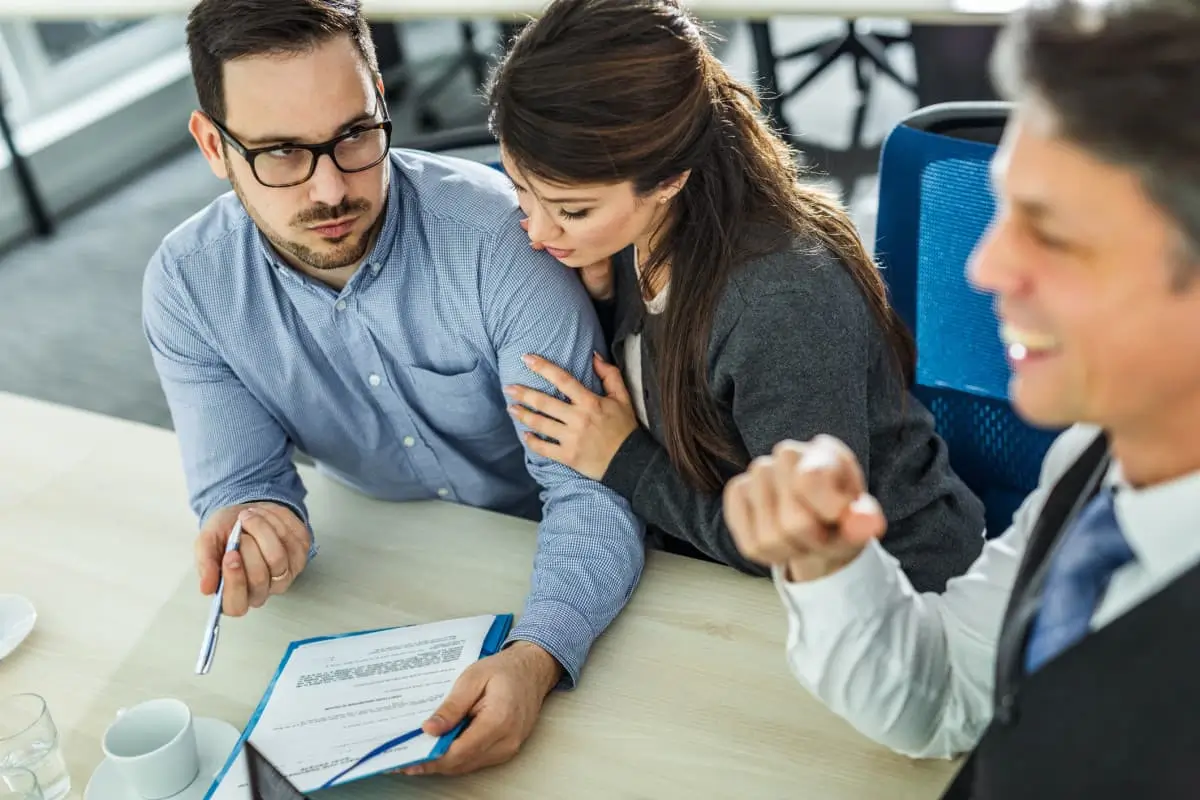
[{"x": 208, "y": 139}]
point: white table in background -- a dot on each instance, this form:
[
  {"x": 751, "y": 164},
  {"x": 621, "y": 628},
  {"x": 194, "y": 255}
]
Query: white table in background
[{"x": 686, "y": 696}]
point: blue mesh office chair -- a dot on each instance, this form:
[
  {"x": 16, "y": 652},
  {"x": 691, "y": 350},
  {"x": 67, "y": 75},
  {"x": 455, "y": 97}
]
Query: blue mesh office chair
[{"x": 935, "y": 202}]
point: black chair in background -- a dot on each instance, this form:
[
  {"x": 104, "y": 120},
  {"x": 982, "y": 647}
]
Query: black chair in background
[
  {"x": 868, "y": 50},
  {"x": 397, "y": 73},
  {"x": 389, "y": 50},
  {"x": 952, "y": 63}
]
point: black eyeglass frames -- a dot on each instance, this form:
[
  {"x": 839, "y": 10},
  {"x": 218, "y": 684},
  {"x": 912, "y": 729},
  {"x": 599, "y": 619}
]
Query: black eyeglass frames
[{"x": 290, "y": 164}]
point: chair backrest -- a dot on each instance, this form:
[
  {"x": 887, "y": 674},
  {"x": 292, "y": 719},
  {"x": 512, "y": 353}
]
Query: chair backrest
[
  {"x": 935, "y": 203},
  {"x": 474, "y": 143}
]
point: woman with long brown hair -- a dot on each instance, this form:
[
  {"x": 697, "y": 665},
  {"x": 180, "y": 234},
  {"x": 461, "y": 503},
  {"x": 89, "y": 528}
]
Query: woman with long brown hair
[{"x": 741, "y": 305}]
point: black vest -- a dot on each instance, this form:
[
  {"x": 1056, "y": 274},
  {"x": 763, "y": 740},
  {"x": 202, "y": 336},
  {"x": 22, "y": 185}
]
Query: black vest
[{"x": 1115, "y": 716}]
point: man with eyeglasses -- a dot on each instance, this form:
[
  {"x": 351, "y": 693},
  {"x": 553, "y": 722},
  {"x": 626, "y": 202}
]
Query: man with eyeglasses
[{"x": 367, "y": 306}]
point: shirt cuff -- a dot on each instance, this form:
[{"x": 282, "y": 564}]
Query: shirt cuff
[
  {"x": 632, "y": 459},
  {"x": 561, "y": 631},
  {"x": 861, "y": 590}
]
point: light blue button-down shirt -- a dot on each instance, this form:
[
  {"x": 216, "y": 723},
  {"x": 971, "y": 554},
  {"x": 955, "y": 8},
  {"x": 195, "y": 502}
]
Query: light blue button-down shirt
[{"x": 395, "y": 384}]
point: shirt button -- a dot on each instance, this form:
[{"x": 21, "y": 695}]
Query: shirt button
[
  {"x": 374, "y": 379},
  {"x": 443, "y": 492},
  {"x": 375, "y": 268},
  {"x": 409, "y": 441},
  {"x": 340, "y": 305}
]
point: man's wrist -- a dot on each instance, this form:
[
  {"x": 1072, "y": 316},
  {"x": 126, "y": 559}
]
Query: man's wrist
[{"x": 548, "y": 669}]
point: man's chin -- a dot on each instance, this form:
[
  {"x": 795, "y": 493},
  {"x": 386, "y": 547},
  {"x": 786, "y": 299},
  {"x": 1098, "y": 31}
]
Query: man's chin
[
  {"x": 1041, "y": 406},
  {"x": 330, "y": 254}
]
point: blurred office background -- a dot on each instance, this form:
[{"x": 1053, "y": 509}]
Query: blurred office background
[{"x": 99, "y": 108}]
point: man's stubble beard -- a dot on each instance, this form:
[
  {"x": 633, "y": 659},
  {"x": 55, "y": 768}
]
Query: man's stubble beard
[{"x": 343, "y": 255}]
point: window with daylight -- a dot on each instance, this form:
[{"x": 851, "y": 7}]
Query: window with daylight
[{"x": 50, "y": 64}]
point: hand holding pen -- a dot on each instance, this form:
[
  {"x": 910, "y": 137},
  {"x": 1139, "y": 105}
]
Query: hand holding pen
[
  {"x": 273, "y": 552},
  {"x": 245, "y": 554}
]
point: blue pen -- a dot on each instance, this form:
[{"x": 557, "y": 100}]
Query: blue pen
[{"x": 213, "y": 629}]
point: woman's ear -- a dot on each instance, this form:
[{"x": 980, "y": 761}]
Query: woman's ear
[{"x": 673, "y": 186}]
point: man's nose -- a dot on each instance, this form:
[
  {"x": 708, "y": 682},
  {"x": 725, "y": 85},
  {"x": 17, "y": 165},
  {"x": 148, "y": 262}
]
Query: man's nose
[{"x": 328, "y": 183}]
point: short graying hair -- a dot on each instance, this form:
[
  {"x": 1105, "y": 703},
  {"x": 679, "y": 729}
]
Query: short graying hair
[{"x": 1123, "y": 79}]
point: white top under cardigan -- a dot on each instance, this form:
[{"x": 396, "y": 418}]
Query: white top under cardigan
[{"x": 633, "y": 352}]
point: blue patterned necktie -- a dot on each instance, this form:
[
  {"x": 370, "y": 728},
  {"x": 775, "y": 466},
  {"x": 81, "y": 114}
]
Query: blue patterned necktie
[{"x": 1090, "y": 552}]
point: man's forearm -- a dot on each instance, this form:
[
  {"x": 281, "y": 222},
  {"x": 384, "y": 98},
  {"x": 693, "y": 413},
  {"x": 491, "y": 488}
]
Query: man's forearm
[
  {"x": 590, "y": 557},
  {"x": 911, "y": 671}
]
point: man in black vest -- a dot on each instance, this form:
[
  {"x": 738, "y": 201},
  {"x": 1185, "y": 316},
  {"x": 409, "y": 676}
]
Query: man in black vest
[{"x": 1066, "y": 662}]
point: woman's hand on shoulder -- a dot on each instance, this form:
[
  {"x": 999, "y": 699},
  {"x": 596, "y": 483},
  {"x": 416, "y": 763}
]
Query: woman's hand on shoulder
[{"x": 597, "y": 278}]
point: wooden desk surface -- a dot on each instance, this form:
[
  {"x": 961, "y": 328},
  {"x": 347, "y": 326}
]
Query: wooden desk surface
[
  {"x": 918, "y": 10},
  {"x": 686, "y": 696}
]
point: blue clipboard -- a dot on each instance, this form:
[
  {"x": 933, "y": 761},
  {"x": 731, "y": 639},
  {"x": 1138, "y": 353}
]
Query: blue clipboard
[{"x": 501, "y": 625}]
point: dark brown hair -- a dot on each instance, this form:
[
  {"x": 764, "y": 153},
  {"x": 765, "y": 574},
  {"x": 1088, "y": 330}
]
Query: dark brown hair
[
  {"x": 605, "y": 91},
  {"x": 1123, "y": 81},
  {"x": 220, "y": 31}
]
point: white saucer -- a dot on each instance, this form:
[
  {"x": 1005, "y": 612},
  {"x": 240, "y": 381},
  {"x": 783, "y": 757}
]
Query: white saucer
[
  {"x": 215, "y": 740},
  {"x": 17, "y": 616}
]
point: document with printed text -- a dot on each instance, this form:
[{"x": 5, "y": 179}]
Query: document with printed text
[{"x": 347, "y": 707}]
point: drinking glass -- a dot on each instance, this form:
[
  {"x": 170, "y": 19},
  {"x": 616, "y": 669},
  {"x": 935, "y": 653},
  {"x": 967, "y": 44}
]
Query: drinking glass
[
  {"x": 17, "y": 783},
  {"x": 29, "y": 740}
]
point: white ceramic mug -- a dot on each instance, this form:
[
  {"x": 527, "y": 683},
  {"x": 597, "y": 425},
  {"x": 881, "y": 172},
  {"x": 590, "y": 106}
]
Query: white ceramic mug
[{"x": 153, "y": 746}]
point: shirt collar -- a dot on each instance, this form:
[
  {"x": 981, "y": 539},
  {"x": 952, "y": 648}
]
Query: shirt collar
[
  {"x": 382, "y": 250},
  {"x": 1160, "y": 521}
]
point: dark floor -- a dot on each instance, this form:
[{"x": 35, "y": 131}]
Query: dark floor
[{"x": 70, "y": 306}]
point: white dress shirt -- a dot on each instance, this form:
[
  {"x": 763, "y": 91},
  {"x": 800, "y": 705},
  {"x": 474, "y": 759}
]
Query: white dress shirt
[{"x": 914, "y": 671}]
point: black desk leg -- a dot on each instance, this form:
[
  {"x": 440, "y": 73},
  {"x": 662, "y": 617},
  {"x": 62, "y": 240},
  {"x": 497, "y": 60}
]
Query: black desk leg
[
  {"x": 768, "y": 76},
  {"x": 34, "y": 204}
]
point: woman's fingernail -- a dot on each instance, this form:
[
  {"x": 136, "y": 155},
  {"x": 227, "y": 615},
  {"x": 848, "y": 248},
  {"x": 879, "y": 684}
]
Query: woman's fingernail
[{"x": 528, "y": 360}]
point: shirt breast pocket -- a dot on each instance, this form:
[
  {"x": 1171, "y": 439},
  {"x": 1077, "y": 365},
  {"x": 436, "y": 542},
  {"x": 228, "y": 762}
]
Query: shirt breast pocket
[{"x": 461, "y": 405}]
